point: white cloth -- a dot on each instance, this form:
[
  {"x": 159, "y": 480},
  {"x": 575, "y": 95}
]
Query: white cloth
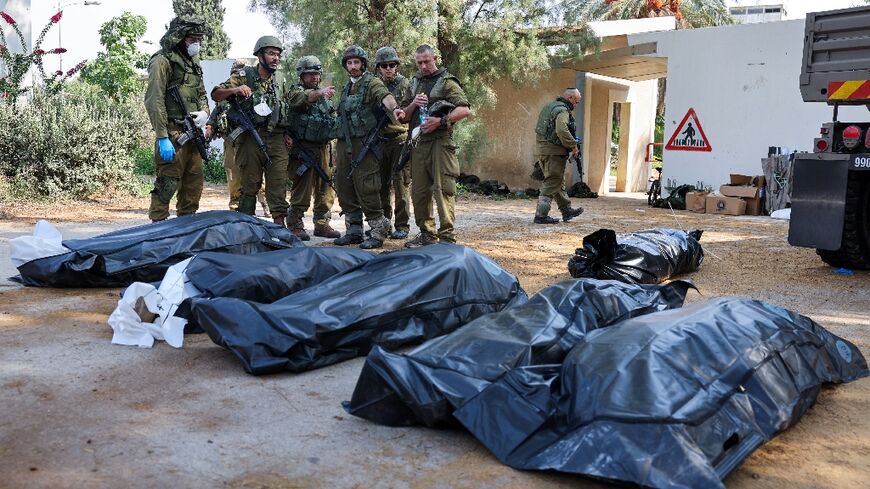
[
  {"x": 46, "y": 241},
  {"x": 130, "y": 329},
  {"x": 784, "y": 214},
  {"x": 199, "y": 118}
]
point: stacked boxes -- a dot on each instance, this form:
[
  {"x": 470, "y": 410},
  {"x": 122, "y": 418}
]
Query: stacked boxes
[{"x": 742, "y": 195}]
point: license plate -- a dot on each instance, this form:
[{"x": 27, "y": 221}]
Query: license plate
[{"x": 859, "y": 162}]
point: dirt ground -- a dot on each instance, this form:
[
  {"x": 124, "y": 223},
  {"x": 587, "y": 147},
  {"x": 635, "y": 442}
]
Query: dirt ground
[{"x": 76, "y": 411}]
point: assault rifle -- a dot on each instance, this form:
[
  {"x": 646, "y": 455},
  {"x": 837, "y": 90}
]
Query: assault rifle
[
  {"x": 371, "y": 144},
  {"x": 405, "y": 155},
  {"x": 189, "y": 130},
  {"x": 307, "y": 160},
  {"x": 240, "y": 118}
]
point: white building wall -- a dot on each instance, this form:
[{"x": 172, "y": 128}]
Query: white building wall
[{"x": 742, "y": 81}]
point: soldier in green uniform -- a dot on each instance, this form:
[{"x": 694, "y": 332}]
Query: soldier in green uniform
[
  {"x": 434, "y": 166},
  {"x": 179, "y": 168},
  {"x": 554, "y": 142},
  {"x": 217, "y": 126},
  {"x": 261, "y": 98},
  {"x": 387, "y": 66},
  {"x": 310, "y": 120},
  {"x": 360, "y": 195}
]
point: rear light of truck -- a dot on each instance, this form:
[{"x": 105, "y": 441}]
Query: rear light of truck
[
  {"x": 824, "y": 131},
  {"x": 821, "y": 145},
  {"x": 851, "y": 136},
  {"x": 867, "y": 140}
]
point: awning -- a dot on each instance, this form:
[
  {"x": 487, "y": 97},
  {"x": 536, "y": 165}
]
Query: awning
[{"x": 635, "y": 63}]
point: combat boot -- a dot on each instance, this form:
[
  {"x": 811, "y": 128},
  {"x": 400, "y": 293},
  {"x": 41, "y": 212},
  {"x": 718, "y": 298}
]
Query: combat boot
[
  {"x": 279, "y": 220},
  {"x": 371, "y": 243},
  {"x": 571, "y": 213},
  {"x": 422, "y": 239},
  {"x": 399, "y": 234},
  {"x": 325, "y": 231},
  {"x": 301, "y": 234},
  {"x": 542, "y": 211},
  {"x": 296, "y": 226},
  {"x": 348, "y": 239}
]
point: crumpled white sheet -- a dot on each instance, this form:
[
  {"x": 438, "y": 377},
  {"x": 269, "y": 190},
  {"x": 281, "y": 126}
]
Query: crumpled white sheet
[
  {"x": 131, "y": 330},
  {"x": 782, "y": 214},
  {"x": 46, "y": 241}
]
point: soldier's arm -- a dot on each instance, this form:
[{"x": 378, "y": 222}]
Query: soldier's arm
[
  {"x": 456, "y": 96},
  {"x": 233, "y": 86},
  {"x": 297, "y": 99},
  {"x": 562, "y": 131},
  {"x": 155, "y": 95},
  {"x": 314, "y": 95},
  {"x": 379, "y": 96}
]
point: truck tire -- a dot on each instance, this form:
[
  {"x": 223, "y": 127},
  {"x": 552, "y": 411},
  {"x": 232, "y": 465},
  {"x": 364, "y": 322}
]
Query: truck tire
[{"x": 854, "y": 252}]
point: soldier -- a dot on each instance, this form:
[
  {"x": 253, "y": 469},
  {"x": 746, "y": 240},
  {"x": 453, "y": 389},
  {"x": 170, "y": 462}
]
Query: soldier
[
  {"x": 362, "y": 96},
  {"x": 387, "y": 66},
  {"x": 217, "y": 126},
  {"x": 555, "y": 141},
  {"x": 260, "y": 97},
  {"x": 179, "y": 168},
  {"x": 434, "y": 166},
  {"x": 310, "y": 120}
]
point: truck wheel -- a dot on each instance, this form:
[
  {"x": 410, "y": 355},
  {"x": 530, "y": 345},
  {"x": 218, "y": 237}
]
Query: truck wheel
[{"x": 854, "y": 252}]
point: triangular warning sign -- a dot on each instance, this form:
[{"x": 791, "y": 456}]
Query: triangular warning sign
[{"x": 689, "y": 135}]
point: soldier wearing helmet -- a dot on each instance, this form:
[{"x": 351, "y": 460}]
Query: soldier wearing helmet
[
  {"x": 179, "y": 168},
  {"x": 395, "y": 134},
  {"x": 218, "y": 127},
  {"x": 310, "y": 121},
  {"x": 260, "y": 97},
  {"x": 362, "y": 98}
]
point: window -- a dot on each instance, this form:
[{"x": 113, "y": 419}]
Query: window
[
  {"x": 751, "y": 11},
  {"x": 738, "y": 11},
  {"x": 772, "y": 10}
]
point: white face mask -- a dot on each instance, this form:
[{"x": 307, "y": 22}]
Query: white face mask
[{"x": 193, "y": 49}]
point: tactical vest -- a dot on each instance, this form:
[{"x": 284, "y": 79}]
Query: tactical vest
[
  {"x": 436, "y": 93},
  {"x": 355, "y": 119},
  {"x": 315, "y": 125},
  {"x": 546, "y": 126},
  {"x": 269, "y": 95},
  {"x": 187, "y": 75},
  {"x": 395, "y": 128}
]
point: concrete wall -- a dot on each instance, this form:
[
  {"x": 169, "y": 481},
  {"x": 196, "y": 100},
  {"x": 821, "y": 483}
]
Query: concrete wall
[{"x": 742, "y": 81}]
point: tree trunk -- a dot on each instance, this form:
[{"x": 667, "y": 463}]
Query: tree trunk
[{"x": 449, "y": 19}]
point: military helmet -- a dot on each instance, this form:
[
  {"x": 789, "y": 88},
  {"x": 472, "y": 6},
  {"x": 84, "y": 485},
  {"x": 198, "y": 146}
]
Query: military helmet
[
  {"x": 238, "y": 64},
  {"x": 308, "y": 64},
  {"x": 441, "y": 108},
  {"x": 355, "y": 51},
  {"x": 386, "y": 54},
  {"x": 267, "y": 42}
]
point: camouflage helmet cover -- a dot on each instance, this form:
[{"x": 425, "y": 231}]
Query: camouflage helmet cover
[
  {"x": 355, "y": 51},
  {"x": 386, "y": 54},
  {"x": 267, "y": 42},
  {"x": 308, "y": 64},
  {"x": 179, "y": 28}
]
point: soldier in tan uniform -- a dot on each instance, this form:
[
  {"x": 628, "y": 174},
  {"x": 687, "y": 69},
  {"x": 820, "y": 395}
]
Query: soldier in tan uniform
[
  {"x": 179, "y": 168},
  {"x": 310, "y": 121},
  {"x": 261, "y": 99},
  {"x": 387, "y": 66},
  {"x": 434, "y": 166},
  {"x": 555, "y": 141}
]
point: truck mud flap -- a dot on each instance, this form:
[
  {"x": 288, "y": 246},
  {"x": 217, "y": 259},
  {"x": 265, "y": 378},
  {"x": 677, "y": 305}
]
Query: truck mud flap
[{"x": 818, "y": 200}]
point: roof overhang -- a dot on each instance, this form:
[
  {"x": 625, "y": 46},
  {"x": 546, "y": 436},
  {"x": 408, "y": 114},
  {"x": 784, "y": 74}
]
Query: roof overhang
[{"x": 635, "y": 63}]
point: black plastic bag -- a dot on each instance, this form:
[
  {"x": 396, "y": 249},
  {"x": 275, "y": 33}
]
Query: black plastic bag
[
  {"x": 427, "y": 384},
  {"x": 395, "y": 299},
  {"x": 144, "y": 253},
  {"x": 644, "y": 257},
  {"x": 267, "y": 277},
  {"x": 676, "y": 198},
  {"x": 673, "y": 399},
  {"x": 581, "y": 190}
]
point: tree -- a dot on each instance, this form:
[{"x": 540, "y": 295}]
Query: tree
[
  {"x": 114, "y": 70},
  {"x": 689, "y": 13},
  {"x": 216, "y": 43}
]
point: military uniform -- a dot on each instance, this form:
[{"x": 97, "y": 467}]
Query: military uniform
[
  {"x": 554, "y": 141},
  {"x": 361, "y": 194},
  {"x": 184, "y": 173},
  {"x": 395, "y": 135},
  {"x": 251, "y": 162},
  {"x": 311, "y": 126},
  {"x": 434, "y": 166}
]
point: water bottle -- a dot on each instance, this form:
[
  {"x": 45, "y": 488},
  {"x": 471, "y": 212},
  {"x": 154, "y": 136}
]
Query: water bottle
[{"x": 424, "y": 113}]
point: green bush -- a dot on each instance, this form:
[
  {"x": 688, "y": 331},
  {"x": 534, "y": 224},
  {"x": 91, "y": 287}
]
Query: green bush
[
  {"x": 72, "y": 144},
  {"x": 213, "y": 168},
  {"x": 144, "y": 161}
]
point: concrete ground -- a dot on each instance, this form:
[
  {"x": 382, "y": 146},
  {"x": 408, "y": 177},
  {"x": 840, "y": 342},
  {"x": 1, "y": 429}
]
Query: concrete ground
[{"x": 77, "y": 411}]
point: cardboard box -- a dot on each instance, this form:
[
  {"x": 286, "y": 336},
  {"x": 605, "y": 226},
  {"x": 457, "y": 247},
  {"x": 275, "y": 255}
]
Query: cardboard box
[
  {"x": 747, "y": 191},
  {"x": 753, "y": 206},
  {"x": 736, "y": 179},
  {"x": 731, "y": 206},
  {"x": 696, "y": 202}
]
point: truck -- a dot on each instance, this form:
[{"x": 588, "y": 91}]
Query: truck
[{"x": 831, "y": 185}]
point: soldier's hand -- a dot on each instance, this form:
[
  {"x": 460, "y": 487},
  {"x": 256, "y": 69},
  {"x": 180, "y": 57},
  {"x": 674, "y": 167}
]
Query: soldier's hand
[
  {"x": 244, "y": 91},
  {"x": 288, "y": 141},
  {"x": 575, "y": 152},
  {"x": 327, "y": 92},
  {"x": 399, "y": 114},
  {"x": 430, "y": 124},
  {"x": 209, "y": 132},
  {"x": 421, "y": 99}
]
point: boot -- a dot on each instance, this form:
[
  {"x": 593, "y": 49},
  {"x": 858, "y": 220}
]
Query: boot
[
  {"x": 571, "y": 213},
  {"x": 296, "y": 226},
  {"x": 155, "y": 221},
  {"x": 279, "y": 220},
  {"x": 301, "y": 234},
  {"x": 542, "y": 211},
  {"x": 371, "y": 243},
  {"x": 399, "y": 234},
  {"x": 422, "y": 239},
  {"x": 353, "y": 235},
  {"x": 325, "y": 231},
  {"x": 348, "y": 239}
]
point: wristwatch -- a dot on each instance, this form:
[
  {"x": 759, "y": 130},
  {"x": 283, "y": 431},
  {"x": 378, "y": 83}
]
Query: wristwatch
[{"x": 445, "y": 122}]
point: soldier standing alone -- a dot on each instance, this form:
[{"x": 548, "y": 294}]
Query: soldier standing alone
[
  {"x": 179, "y": 168},
  {"x": 310, "y": 119},
  {"x": 555, "y": 141}
]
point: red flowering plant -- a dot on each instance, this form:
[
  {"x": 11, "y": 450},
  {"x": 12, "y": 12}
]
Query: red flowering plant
[{"x": 18, "y": 64}]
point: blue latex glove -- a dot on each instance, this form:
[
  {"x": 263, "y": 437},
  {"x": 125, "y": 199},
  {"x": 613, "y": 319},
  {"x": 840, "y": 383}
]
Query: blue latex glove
[{"x": 167, "y": 150}]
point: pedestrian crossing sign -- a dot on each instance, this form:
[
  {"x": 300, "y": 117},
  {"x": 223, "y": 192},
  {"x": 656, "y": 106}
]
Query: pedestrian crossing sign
[{"x": 689, "y": 135}]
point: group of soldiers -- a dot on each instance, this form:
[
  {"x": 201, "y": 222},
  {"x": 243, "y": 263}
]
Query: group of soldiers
[{"x": 277, "y": 134}]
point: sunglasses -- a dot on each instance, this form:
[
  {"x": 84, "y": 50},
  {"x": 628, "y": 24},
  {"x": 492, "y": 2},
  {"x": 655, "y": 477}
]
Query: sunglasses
[{"x": 389, "y": 65}]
